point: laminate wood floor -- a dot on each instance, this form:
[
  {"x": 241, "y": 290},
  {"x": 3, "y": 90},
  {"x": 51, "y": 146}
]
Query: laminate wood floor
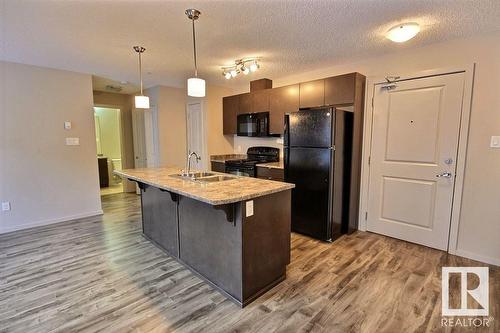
[{"x": 100, "y": 275}]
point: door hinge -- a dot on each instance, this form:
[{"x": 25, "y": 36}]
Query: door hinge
[
  {"x": 366, "y": 216},
  {"x": 372, "y": 102},
  {"x": 369, "y": 160}
]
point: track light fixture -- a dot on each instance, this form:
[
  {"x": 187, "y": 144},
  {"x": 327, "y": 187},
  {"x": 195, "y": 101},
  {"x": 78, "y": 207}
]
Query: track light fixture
[{"x": 245, "y": 66}]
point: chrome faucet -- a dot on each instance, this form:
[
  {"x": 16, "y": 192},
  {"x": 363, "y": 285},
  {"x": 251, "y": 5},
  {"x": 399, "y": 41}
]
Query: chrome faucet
[{"x": 188, "y": 162}]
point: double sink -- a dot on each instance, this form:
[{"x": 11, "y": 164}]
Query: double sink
[{"x": 204, "y": 177}]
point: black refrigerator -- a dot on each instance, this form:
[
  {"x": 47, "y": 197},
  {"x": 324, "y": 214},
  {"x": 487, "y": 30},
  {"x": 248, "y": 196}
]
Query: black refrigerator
[{"x": 317, "y": 157}]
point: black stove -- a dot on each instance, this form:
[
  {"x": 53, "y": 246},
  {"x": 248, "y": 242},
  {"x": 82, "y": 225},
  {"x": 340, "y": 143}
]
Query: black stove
[{"x": 255, "y": 155}]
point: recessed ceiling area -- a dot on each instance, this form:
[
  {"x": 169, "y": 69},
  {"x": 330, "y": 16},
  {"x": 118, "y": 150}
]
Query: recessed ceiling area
[
  {"x": 120, "y": 87},
  {"x": 96, "y": 37}
]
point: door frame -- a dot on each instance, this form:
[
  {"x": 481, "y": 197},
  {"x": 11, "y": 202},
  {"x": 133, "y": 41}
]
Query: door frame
[
  {"x": 122, "y": 134},
  {"x": 371, "y": 83},
  {"x": 205, "y": 159}
]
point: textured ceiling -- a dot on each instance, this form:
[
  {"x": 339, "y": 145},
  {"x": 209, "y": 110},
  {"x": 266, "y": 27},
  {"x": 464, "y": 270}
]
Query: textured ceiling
[{"x": 97, "y": 36}]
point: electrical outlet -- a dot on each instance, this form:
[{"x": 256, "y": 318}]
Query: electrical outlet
[
  {"x": 495, "y": 142},
  {"x": 5, "y": 206},
  {"x": 249, "y": 208}
]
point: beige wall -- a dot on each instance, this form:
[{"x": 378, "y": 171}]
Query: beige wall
[
  {"x": 217, "y": 143},
  {"x": 479, "y": 228},
  {"x": 125, "y": 104},
  {"x": 171, "y": 105},
  {"x": 45, "y": 180}
]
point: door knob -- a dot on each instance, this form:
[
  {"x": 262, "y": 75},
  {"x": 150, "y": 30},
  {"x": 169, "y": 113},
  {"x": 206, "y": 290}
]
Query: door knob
[{"x": 444, "y": 175}]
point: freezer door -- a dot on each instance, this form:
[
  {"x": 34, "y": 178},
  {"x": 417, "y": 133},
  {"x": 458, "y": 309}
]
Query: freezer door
[
  {"x": 310, "y": 170},
  {"x": 311, "y": 128}
]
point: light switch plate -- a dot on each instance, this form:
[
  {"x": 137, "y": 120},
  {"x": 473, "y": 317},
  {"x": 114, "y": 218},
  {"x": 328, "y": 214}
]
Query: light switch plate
[
  {"x": 5, "y": 206},
  {"x": 72, "y": 141},
  {"x": 67, "y": 125},
  {"x": 249, "y": 208},
  {"x": 495, "y": 142}
]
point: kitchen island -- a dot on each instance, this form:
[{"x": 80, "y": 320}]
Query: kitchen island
[{"x": 234, "y": 232}]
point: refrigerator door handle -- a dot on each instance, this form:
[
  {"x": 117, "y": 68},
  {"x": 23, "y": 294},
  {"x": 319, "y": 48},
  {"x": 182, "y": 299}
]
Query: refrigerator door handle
[{"x": 286, "y": 133}]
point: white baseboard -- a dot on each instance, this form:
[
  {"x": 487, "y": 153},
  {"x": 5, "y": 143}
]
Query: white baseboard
[
  {"x": 7, "y": 229},
  {"x": 478, "y": 257}
]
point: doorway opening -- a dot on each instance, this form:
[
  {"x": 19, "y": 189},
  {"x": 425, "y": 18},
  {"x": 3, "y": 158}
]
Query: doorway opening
[{"x": 109, "y": 149}]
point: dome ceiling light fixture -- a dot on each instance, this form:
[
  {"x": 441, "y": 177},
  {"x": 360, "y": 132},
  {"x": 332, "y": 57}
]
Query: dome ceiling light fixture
[
  {"x": 141, "y": 101},
  {"x": 195, "y": 85},
  {"x": 245, "y": 66},
  {"x": 403, "y": 32}
]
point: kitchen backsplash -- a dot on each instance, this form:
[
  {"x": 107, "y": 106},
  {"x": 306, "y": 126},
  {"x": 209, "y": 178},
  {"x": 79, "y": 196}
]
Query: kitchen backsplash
[{"x": 242, "y": 143}]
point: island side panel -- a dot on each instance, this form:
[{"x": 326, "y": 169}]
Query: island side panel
[
  {"x": 266, "y": 243},
  {"x": 159, "y": 218},
  {"x": 211, "y": 245}
]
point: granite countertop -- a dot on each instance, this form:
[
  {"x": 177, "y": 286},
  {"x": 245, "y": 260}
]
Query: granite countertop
[
  {"x": 216, "y": 193},
  {"x": 272, "y": 165},
  {"x": 227, "y": 157}
]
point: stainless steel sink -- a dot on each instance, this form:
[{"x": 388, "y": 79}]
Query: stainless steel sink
[
  {"x": 207, "y": 177},
  {"x": 218, "y": 178}
]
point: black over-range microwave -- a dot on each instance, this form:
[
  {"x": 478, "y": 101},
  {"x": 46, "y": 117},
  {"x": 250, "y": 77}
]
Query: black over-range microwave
[{"x": 253, "y": 124}]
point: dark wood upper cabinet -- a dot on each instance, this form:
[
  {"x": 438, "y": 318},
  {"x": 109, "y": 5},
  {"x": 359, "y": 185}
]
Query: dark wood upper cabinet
[
  {"x": 337, "y": 90},
  {"x": 245, "y": 103},
  {"x": 282, "y": 100},
  {"x": 230, "y": 110},
  {"x": 312, "y": 93},
  {"x": 340, "y": 89},
  {"x": 260, "y": 100}
]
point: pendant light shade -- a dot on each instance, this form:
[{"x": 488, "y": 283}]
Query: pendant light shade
[
  {"x": 195, "y": 85},
  {"x": 141, "y": 101}
]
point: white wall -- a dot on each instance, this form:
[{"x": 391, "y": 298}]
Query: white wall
[
  {"x": 45, "y": 180},
  {"x": 241, "y": 143},
  {"x": 479, "y": 229}
]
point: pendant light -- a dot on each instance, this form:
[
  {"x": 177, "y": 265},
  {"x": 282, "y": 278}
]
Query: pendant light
[
  {"x": 195, "y": 85},
  {"x": 141, "y": 101}
]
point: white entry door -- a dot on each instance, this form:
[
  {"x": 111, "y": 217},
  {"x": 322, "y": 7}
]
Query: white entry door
[
  {"x": 415, "y": 135},
  {"x": 195, "y": 134}
]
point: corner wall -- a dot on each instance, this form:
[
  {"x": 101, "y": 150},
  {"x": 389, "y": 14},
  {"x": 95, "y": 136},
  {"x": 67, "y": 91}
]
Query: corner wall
[
  {"x": 172, "y": 137},
  {"x": 45, "y": 180}
]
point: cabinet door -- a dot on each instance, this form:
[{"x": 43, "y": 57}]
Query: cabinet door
[
  {"x": 270, "y": 173},
  {"x": 218, "y": 166},
  {"x": 282, "y": 100},
  {"x": 340, "y": 89},
  {"x": 159, "y": 219},
  {"x": 260, "y": 100},
  {"x": 230, "y": 106},
  {"x": 312, "y": 94},
  {"x": 245, "y": 103}
]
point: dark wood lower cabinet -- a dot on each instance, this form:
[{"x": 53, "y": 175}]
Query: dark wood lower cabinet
[
  {"x": 241, "y": 256},
  {"x": 218, "y": 166},
  {"x": 270, "y": 173},
  {"x": 159, "y": 218}
]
